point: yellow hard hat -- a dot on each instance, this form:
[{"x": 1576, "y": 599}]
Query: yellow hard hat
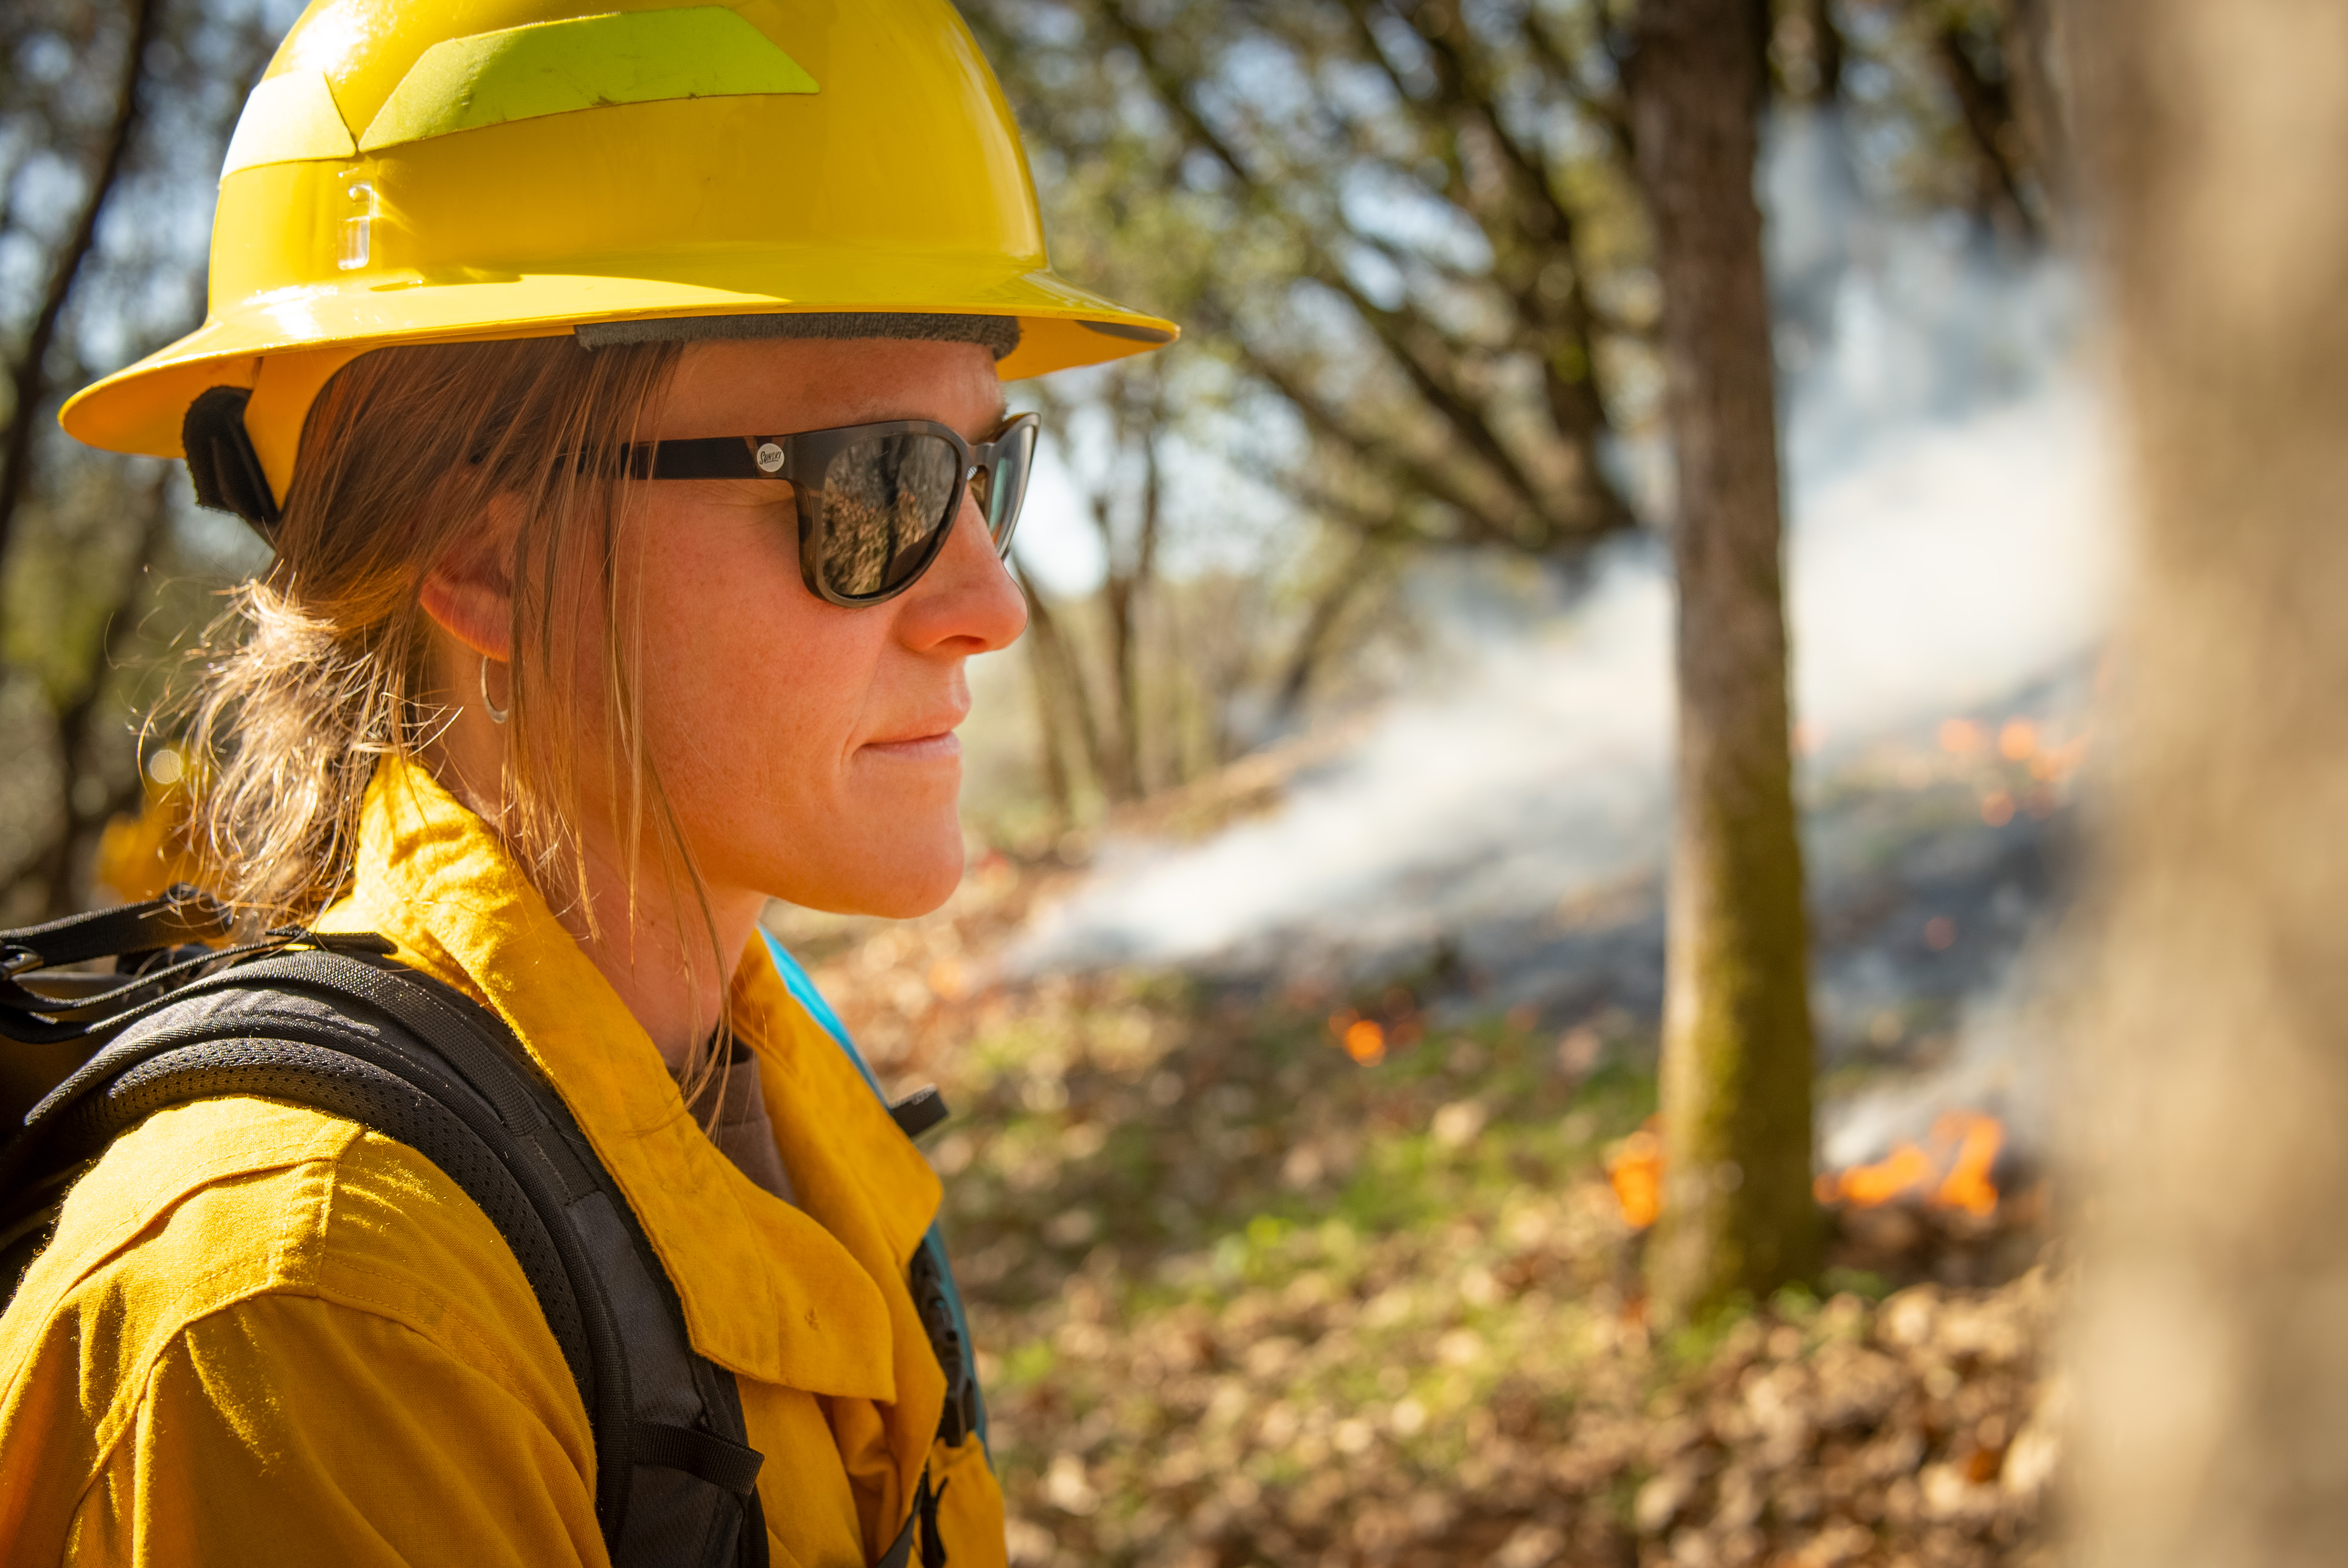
[{"x": 437, "y": 170}]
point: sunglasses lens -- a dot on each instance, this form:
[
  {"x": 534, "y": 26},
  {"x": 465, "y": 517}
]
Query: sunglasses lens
[
  {"x": 885, "y": 511},
  {"x": 1006, "y": 487}
]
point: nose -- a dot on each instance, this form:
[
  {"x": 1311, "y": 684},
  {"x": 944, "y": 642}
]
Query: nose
[{"x": 966, "y": 602}]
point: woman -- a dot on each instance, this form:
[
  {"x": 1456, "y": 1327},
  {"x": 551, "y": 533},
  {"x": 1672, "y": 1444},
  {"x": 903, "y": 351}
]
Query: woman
[{"x": 621, "y": 393}]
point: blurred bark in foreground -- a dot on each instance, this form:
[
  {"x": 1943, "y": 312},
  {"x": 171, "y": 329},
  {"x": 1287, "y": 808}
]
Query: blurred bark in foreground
[
  {"x": 1737, "y": 1213},
  {"x": 2213, "y": 1345}
]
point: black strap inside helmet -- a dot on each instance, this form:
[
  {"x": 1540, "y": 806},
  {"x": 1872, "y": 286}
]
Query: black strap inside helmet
[{"x": 221, "y": 459}]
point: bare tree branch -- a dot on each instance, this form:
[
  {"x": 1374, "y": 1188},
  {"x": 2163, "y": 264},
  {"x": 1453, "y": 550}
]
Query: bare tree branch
[
  {"x": 1987, "y": 110},
  {"x": 1314, "y": 638},
  {"x": 1417, "y": 345},
  {"x": 1438, "y": 382},
  {"x": 1608, "y": 111},
  {"x": 80, "y": 815},
  {"x": 1322, "y": 416}
]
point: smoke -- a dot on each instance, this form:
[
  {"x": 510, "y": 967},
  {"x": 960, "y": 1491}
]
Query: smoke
[
  {"x": 1960, "y": 562},
  {"x": 1950, "y": 497}
]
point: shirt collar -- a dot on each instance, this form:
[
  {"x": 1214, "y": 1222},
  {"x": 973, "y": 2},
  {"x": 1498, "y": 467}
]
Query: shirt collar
[{"x": 770, "y": 1291}]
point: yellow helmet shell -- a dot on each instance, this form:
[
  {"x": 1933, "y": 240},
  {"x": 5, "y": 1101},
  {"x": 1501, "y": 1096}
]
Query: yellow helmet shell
[{"x": 418, "y": 171}]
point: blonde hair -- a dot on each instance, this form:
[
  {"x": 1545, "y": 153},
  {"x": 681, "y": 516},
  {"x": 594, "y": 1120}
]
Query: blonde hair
[{"x": 320, "y": 668}]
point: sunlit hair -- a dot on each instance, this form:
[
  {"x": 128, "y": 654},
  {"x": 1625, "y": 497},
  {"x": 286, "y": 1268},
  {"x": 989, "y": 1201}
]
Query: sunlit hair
[{"x": 321, "y": 667}]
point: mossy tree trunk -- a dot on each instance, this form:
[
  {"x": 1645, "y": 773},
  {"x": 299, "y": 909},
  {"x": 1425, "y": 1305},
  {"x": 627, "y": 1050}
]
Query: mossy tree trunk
[
  {"x": 1737, "y": 1213},
  {"x": 2212, "y": 1351}
]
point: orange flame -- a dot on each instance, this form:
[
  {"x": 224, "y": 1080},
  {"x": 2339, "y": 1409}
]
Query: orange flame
[
  {"x": 1635, "y": 1170},
  {"x": 1967, "y": 1185},
  {"x": 1363, "y": 1039},
  {"x": 1952, "y": 1173},
  {"x": 1952, "y": 1170}
]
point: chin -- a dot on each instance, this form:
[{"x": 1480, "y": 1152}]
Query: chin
[
  {"x": 907, "y": 907},
  {"x": 905, "y": 888}
]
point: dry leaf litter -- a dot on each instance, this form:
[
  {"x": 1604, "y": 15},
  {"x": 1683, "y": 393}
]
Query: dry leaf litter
[{"x": 1254, "y": 1284}]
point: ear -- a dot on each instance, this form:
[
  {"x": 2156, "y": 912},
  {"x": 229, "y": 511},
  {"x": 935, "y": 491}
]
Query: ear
[{"x": 469, "y": 591}]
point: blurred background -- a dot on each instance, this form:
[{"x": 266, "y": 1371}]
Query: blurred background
[{"x": 1301, "y": 1011}]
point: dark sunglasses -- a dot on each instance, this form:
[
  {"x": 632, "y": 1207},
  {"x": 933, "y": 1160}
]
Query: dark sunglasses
[{"x": 876, "y": 502}]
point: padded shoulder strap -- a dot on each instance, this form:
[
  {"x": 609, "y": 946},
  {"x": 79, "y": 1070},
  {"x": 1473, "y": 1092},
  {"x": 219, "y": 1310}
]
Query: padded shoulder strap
[{"x": 422, "y": 1065}]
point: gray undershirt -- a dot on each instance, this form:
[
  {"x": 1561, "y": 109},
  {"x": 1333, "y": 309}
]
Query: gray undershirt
[{"x": 743, "y": 1132}]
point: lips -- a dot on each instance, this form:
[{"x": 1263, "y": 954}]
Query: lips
[
  {"x": 931, "y": 735},
  {"x": 939, "y": 746}
]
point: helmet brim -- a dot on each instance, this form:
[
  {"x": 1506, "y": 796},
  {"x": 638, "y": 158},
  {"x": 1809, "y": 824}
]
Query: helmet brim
[{"x": 140, "y": 408}]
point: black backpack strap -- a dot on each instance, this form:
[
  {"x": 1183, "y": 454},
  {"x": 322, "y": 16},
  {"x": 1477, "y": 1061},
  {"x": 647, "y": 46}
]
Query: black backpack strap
[
  {"x": 920, "y": 1530},
  {"x": 158, "y": 948},
  {"x": 182, "y": 915},
  {"x": 130, "y": 934},
  {"x": 423, "y": 1065},
  {"x": 926, "y": 1279}
]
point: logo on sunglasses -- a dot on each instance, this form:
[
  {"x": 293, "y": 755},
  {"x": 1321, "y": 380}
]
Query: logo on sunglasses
[{"x": 770, "y": 456}]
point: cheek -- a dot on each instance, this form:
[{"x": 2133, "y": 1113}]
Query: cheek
[
  {"x": 748, "y": 685},
  {"x": 756, "y": 695}
]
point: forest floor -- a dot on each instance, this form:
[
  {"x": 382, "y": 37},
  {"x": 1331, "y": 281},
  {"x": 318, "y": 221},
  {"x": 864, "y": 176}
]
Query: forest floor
[{"x": 1252, "y": 1285}]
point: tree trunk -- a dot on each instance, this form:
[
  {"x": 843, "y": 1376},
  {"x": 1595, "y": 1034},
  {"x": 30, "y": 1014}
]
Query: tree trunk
[
  {"x": 1120, "y": 769},
  {"x": 2214, "y": 1390},
  {"x": 1048, "y": 644},
  {"x": 1737, "y": 1213},
  {"x": 1122, "y": 595},
  {"x": 1044, "y": 656},
  {"x": 29, "y": 376},
  {"x": 1313, "y": 640}
]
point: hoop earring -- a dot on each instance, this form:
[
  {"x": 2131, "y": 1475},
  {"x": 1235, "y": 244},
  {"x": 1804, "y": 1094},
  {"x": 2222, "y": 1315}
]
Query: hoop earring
[{"x": 496, "y": 715}]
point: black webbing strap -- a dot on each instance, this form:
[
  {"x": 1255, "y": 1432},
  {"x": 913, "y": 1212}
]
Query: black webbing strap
[
  {"x": 730, "y": 1465},
  {"x": 920, "y": 1528},
  {"x": 181, "y": 915},
  {"x": 129, "y": 934},
  {"x": 158, "y": 947},
  {"x": 918, "y": 1111}
]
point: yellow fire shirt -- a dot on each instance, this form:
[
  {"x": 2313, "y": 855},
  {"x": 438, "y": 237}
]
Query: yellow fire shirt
[{"x": 265, "y": 1335}]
